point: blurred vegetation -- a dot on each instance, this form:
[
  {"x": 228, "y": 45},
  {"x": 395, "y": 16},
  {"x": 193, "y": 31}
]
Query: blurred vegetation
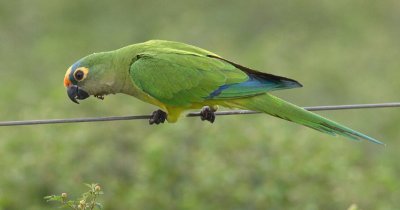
[
  {"x": 344, "y": 51},
  {"x": 87, "y": 201}
]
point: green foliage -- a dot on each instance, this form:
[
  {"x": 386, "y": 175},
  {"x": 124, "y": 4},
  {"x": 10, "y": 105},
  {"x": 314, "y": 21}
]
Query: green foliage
[
  {"x": 343, "y": 51},
  {"x": 88, "y": 200}
]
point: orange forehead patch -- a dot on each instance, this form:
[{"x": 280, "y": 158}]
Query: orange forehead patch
[{"x": 67, "y": 82}]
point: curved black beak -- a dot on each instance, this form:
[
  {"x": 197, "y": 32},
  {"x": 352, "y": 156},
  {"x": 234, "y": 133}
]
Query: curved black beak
[{"x": 74, "y": 92}]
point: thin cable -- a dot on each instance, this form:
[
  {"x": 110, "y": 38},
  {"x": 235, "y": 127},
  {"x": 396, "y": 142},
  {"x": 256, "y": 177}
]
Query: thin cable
[{"x": 192, "y": 114}]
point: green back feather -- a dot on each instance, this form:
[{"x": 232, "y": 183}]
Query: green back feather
[
  {"x": 179, "y": 79},
  {"x": 178, "y": 74}
]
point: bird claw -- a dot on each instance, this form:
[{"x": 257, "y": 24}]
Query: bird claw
[
  {"x": 208, "y": 114},
  {"x": 158, "y": 117}
]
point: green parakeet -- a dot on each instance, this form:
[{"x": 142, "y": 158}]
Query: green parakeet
[{"x": 177, "y": 77}]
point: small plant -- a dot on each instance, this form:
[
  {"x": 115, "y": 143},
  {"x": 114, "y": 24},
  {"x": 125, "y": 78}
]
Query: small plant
[{"x": 88, "y": 200}]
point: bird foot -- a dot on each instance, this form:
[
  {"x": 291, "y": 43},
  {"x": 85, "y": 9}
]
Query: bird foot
[
  {"x": 158, "y": 117},
  {"x": 208, "y": 114}
]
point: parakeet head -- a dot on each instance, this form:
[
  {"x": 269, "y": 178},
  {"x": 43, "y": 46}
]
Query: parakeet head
[{"x": 91, "y": 75}]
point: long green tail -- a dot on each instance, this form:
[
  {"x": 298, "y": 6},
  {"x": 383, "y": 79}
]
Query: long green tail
[{"x": 279, "y": 108}]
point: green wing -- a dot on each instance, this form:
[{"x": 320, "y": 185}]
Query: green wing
[
  {"x": 181, "y": 79},
  {"x": 179, "y": 75}
]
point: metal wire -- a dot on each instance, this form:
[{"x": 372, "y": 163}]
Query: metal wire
[{"x": 192, "y": 114}]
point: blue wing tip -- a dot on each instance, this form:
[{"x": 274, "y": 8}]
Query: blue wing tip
[{"x": 292, "y": 83}]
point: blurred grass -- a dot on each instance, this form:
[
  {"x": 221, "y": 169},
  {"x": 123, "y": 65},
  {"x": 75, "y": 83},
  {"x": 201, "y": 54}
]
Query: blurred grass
[{"x": 342, "y": 51}]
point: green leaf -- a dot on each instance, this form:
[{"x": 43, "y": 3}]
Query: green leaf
[
  {"x": 89, "y": 185},
  {"x": 99, "y": 205},
  {"x": 53, "y": 198}
]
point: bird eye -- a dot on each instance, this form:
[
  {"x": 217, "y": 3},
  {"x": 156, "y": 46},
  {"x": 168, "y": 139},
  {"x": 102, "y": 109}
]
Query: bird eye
[{"x": 79, "y": 74}]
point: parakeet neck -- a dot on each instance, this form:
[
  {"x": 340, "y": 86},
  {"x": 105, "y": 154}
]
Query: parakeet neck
[
  {"x": 122, "y": 60},
  {"x": 117, "y": 79}
]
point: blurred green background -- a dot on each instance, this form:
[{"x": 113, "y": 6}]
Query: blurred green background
[{"x": 343, "y": 52}]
